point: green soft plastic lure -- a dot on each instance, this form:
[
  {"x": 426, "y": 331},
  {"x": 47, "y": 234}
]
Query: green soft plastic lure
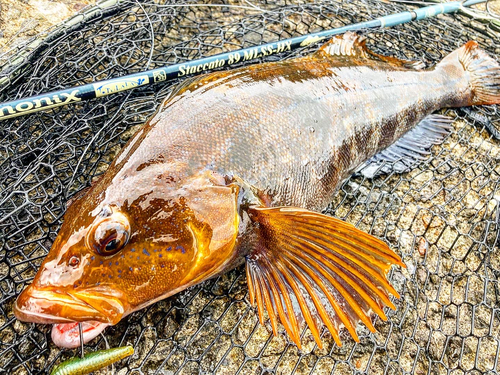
[{"x": 92, "y": 361}]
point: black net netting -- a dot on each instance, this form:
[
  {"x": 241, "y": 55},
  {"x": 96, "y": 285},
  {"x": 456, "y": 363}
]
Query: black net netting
[{"x": 442, "y": 217}]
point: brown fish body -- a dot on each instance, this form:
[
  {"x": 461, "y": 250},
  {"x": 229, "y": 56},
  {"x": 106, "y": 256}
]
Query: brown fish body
[
  {"x": 292, "y": 129},
  {"x": 193, "y": 193}
]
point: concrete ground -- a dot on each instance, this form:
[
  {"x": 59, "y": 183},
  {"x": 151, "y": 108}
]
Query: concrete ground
[{"x": 22, "y": 19}]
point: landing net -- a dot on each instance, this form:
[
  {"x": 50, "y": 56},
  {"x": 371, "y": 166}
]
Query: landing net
[{"x": 441, "y": 217}]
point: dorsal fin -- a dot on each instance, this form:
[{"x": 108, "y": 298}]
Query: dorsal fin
[
  {"x": 348, "y": 44},
  {"x": 352, "y": 45}
]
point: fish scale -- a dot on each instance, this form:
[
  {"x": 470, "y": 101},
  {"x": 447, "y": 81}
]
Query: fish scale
[{"x": 277, "y": 141}]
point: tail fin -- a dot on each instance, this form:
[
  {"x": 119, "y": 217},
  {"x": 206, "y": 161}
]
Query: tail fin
[{"x": 484, "y": 73}]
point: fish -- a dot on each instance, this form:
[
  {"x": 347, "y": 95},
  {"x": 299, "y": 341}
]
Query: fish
[
  {"x": 92, "y": 361},
  {"x": 235, "y": 167}
]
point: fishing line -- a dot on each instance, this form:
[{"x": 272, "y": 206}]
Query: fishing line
[
  {"x": 152, "y": 32},
  {"x": 99, "y": 89},
  {"x": 82, "y": 354},
  {"x": 490, "y": 11}
]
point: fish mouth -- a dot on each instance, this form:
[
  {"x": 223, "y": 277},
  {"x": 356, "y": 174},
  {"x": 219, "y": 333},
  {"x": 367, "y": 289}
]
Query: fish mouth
[{"x": 53, "y": 307}]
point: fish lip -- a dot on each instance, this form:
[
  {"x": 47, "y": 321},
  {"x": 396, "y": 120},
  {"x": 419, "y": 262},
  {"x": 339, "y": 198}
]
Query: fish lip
[
  {"x": 52, "y": 307},
  {"x": 37, "y": 317}
]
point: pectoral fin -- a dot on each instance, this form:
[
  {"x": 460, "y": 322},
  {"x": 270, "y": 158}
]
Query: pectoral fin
[{"x": 312, "y": 266}]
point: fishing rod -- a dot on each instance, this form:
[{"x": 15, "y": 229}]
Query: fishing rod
[{"x": 99, "y": 89}]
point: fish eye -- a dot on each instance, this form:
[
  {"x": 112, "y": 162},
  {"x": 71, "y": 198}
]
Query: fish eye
[{"x": 109, "y": 235}]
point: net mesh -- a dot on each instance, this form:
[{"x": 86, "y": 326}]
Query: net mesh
[{"x": 442, "y": 217}]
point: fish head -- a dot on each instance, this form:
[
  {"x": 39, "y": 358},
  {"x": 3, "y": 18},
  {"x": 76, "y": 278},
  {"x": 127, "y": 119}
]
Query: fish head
[
  {"x": 66, "y": 287},
  {"x": 122, "y": 249}
]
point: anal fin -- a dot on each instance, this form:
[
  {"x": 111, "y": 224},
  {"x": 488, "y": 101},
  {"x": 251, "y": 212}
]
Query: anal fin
[
  {"x": 409, "y": 150},
  {"x": 312, "y": 266}
]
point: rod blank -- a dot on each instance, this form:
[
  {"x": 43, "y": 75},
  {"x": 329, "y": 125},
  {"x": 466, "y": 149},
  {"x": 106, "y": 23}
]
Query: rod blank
[{"x": 99, "y": 89}]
